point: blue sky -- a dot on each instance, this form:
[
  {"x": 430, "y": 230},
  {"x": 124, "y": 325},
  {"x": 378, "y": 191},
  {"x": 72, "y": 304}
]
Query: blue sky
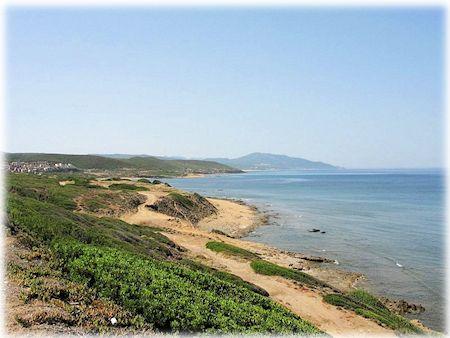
[{"x": 358, "y": 88}]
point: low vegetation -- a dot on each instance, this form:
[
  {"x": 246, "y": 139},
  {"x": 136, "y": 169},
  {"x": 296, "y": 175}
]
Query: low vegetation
[
  {"x": 125, "y": 186},
  {"x": 144, "y": 180},
  {"x": 172, "y": 297},
  {"x": 117, "y": 179},
  {"x": 133, "y": 268},
  {"x": 359, "y": 301},
  {"x": 181, "y": 199},
  {"x": 48, "y": 298},
  {"x": 266, "y": 268},
  {"x": 366, "y": 305},
  {"x": 191, "y": 207},
  {"x": 229, "y": 249},
  {"x": 226, "y": 276}
]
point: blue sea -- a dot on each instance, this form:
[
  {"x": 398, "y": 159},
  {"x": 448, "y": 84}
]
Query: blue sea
[{"x": 387, "y": 224}]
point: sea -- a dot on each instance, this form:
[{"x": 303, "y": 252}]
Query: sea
[{"x": 387, "y": 224}]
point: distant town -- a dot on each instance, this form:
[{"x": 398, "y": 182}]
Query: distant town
[{"x": 37, "y": 167}]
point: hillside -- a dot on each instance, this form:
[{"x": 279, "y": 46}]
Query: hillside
[
  {"x": 146, "y": 165},
  {"x": 264, "y": 161},
  {"x": 70, "y": 272}
]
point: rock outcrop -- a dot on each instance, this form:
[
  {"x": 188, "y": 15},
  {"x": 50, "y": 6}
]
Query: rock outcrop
[
  {"x": 401, "y": 306},
  {"x": 191, "y": 207}
]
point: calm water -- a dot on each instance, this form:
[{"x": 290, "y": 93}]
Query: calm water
[{"x": 388, "y": 225}]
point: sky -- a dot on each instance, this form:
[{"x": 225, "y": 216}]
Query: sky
[{"x": 354, "y": 87}]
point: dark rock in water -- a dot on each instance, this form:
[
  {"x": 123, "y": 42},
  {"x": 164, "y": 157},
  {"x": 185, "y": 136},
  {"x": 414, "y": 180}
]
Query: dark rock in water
[
  {"x": 323, "y": 232},
  {"x": 401, "y": 306},
  {"x": 317, "y": 259},
  {"x": 157, "y": 182},
  {"x": 314, "y": 230}
]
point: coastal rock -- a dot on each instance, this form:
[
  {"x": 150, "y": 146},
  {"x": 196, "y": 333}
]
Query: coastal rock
[
  {"x": 191, "y": 207},
  {"x": 317, "y": 259},
  {"x": 314, "y": 230},
  {"x": 401, "y": 306}
]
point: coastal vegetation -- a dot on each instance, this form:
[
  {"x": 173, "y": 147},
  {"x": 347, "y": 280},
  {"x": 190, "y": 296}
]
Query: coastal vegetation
[
  {"x": 191, "y": 207},
  {"x": 359, "y": 301},
  {"x": 144, "y": 180},
  {"x": 172, "y": 297},
  {"x": 124, "y": 186},
  {"x": 229, "y": 249},
  {"x": 267, "y": 268},
  {"x": 135, "y": 269},
  {"x": 264, "y": 267},
  {"x": 366, "y": 305}
]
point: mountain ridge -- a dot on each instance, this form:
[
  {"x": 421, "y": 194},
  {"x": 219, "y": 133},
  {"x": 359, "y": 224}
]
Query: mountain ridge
[
  {"x": 149, "y": 163},
  {"x": 267, "y": 161}
]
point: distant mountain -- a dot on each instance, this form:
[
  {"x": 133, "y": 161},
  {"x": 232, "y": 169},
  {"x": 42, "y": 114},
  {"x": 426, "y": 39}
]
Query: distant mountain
[
  {"x": 264, "y": 161},
  {"x": 142, "y": 163}
]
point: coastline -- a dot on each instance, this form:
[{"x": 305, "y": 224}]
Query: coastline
[
  {"x": 227, "y": 222},
  {"x": 235, "y": 219}
]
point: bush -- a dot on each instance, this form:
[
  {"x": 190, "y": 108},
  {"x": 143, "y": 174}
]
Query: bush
[
  {"x": 226, "y": 276},
  {"x": 144, "y": 180},
  {"x": 124, "y": 186},
  {"x": 231, "y": 250},
  {"x": 175, "y": 298},
  {"x": 182, "y": 199},
  {"x": 366, "y": 305},
  {"x": 266, "y": 268}
]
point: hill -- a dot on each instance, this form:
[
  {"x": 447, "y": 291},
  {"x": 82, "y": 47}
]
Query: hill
[
  {"x": 264, "y": 161},
  {"x": 74, "y": 273},
  {"x": 150, "y": 165}
]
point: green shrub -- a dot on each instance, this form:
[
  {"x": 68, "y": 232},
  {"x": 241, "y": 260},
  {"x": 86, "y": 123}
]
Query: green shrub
[
  {"x": 266, "y": 268},
  {"x": 124, "y": 186},
  {"x": 173, "y": 297},
  {"x": 226, "y": 276},
  {"x": 182, "y": 199},
  {"x": 230, "y": 250},
  {"x": 144, "y": 180},
  {"x": 366, "y": 305}
]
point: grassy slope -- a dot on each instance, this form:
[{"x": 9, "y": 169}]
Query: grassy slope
[
  {"x": 138, "y": 163},
  {"x": 136, "y": 267}
]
